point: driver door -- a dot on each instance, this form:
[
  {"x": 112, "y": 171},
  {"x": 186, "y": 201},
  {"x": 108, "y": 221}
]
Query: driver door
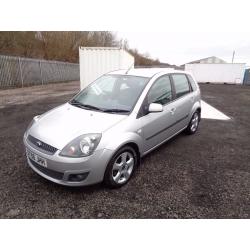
[{"x": 158, "y": 126}]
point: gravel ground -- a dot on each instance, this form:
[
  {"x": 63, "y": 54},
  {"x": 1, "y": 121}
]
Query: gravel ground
[{"x": 206, "y": 175}]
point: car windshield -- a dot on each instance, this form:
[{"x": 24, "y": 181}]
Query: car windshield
[{"x": 111, "y": 93}]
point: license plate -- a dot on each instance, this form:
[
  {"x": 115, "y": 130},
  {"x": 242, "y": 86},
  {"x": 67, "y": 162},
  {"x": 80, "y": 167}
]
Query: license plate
[{"x": 39, "y": 160}]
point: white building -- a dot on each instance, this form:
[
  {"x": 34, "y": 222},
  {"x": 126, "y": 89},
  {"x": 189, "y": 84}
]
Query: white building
[
  {"x": 215, "y": 70},
  {"x": 211, "y": 59}
]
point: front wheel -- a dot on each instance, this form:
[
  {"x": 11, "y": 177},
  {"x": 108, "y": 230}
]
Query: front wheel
[
  {"x": 121, "y": 167},
  {"x": 193, "y": 124}
]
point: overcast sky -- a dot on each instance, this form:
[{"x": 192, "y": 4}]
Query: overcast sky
[{"x": 183, "y": 47}]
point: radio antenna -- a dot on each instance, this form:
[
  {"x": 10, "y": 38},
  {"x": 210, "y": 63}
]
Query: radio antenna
[{"x": 129, "y": 69}]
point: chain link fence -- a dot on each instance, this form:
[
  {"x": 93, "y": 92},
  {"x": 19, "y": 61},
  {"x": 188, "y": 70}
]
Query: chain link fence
[{"x": 22, "y": 72}]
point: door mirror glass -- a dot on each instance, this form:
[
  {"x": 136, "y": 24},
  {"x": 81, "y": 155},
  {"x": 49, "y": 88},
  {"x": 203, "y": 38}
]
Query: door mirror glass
[{"x": 155, "y": 107}]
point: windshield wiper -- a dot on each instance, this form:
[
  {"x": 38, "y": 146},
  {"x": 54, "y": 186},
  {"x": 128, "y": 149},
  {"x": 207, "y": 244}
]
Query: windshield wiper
[
  {"x": 116, "y": 111},
  {"x": 81, "y": 105},
  {"x": 91, "y": 107}
]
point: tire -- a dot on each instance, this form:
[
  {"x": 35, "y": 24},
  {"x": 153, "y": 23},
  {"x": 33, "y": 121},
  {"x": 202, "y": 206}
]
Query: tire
[
  {"x": 193, "y": 124},
  {"x": 121, "y": 167}
]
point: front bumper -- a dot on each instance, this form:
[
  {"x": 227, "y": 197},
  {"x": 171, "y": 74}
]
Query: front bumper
[{"x": 59, "y": 168}]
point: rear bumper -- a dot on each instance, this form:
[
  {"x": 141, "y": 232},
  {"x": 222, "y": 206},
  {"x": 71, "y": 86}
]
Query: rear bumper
[{"x": 59, "y": 169}]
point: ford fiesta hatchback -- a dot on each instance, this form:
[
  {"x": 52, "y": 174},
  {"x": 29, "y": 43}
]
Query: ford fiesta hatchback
[{"x": 101, "y": 134}]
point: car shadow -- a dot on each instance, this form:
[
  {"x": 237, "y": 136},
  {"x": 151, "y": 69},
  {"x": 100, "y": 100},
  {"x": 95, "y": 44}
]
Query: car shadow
[
  {"x": 101, "y": 186},
  {"x": 163, "y": 146},
  {"x": 69, "y": 189}
]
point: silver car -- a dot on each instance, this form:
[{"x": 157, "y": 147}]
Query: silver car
[{"x": 102, "y": 133}]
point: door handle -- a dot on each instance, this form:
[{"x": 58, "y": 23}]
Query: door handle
[{"x": 172, "y": 110}]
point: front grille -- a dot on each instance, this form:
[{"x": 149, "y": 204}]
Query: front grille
[
  {"x": 42, "y": 146},
  {"x": 52, "y": 173}
]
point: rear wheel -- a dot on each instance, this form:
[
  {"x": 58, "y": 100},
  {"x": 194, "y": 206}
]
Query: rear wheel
[
  {"x": 194, "y": 123},
  {"x": 121, "y": 167}
]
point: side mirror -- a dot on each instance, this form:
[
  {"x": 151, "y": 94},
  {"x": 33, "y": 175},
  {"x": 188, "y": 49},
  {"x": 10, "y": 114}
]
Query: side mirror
[{"x": 155, "y": 107}]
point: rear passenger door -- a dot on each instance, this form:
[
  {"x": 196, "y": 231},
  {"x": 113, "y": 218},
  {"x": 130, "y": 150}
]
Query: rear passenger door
[{"x": 183, "y": 100}]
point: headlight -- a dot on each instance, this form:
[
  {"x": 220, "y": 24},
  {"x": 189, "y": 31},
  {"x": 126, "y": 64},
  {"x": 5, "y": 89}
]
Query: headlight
[{"x": 83, "y": 145}]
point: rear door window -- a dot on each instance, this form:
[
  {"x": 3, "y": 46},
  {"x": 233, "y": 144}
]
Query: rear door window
[{"x": 181, "y": 84}]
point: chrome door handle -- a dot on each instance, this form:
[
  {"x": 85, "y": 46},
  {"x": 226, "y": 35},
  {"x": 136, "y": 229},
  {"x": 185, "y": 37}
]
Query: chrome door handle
[{"x": 172, "y": 110}]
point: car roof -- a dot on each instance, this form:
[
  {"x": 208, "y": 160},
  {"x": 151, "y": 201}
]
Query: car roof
[{"x": 145, "y": 72}]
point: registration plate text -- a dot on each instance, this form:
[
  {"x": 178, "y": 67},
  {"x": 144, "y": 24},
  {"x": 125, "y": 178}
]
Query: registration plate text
[{"x": 39, "y": 160}]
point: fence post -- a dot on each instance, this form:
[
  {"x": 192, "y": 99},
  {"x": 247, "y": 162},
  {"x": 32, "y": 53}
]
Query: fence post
[
  {"x": 41, "y": 73},
  {"x": 20, "y": 68}
]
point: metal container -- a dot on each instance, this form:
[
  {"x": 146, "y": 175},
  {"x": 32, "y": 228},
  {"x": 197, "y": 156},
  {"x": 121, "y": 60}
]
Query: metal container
[
  {"x": 96, "y": 61},
  {"x": 246, "y": 80},
  {"x": 232, "y": 73}
]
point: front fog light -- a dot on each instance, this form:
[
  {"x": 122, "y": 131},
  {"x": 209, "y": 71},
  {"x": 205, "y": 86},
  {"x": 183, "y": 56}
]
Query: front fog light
[{"x": 78, "y": 177}]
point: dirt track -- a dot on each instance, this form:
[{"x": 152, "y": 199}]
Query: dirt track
[{"x": 206, "y": 175}]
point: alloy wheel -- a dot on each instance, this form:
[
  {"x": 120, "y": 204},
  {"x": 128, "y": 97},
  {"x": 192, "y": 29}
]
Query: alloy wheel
[
  {"x": 194, "y": 122},
  {"x": 123, "y": 167}
]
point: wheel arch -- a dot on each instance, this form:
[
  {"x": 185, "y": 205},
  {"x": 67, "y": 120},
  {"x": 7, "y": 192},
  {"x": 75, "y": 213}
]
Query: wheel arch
[
  {"x": 196, "y": 107},
  {"x": 136, "y": 148},
  {"x": 199, "y": 110},
  {"x": 132, "y": 144}
]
